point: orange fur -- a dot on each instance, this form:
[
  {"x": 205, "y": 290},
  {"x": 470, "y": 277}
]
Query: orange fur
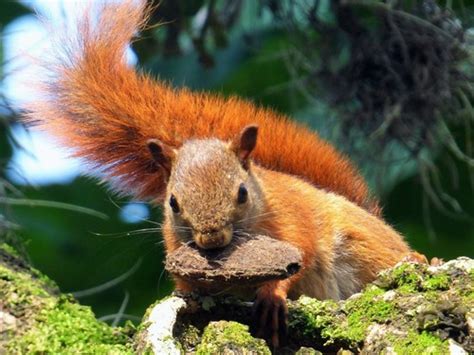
[
  {"x": 329, "y": 231},
  {"x": 106, "y": 111}
]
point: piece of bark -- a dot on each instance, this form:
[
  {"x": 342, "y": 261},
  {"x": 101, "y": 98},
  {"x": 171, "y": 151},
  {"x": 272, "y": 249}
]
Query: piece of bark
[{"x": 246, "y": 261}]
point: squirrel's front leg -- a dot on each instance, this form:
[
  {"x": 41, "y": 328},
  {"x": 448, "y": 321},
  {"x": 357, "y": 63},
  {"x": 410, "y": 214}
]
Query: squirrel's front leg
[{"x": 271, "y": 312}]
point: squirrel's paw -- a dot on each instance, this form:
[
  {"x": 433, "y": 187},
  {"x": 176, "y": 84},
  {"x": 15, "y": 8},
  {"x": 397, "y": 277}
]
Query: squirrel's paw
[{"x": 271, "y": 315}]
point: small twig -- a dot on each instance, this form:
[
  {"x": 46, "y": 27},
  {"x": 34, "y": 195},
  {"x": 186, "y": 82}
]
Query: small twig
[
  {"x": 10, "y": 187},
  {"x": 429, "y": 191},
  {"x": 52, "y": 204},
  {"x": 389, "y": 118},
  {"x": 444, "y": 196},
  {"x": 121, "y": 310},
  {"x": 401, "y": 40},
  {"x": 453, "y": 147},
  {"x": 108, "y": 284}
]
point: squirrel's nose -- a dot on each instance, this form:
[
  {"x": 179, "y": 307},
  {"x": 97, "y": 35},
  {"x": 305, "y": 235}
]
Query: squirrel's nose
[{"x": 214, "y": 238}]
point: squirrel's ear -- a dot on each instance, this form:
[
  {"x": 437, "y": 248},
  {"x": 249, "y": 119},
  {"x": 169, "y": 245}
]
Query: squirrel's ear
[
  {"x": 244, "y": 143},
  {"x": 162, "y": 154}
]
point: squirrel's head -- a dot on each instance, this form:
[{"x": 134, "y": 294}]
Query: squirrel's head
[{"x": 211, "y": 192}]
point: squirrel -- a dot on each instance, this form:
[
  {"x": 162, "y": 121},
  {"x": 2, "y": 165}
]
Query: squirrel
[{"x": 198, "y": 154}]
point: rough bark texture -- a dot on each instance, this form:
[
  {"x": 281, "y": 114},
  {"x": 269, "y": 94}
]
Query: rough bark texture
[
  {"x": 411, "y": 308},
  {"x": 245, "y": 261}
]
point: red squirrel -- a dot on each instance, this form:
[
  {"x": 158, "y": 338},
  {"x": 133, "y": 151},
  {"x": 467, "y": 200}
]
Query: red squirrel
[{"x": 219, "y": 165}]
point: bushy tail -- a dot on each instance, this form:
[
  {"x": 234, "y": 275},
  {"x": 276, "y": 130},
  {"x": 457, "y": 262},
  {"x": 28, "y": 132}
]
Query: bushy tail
[{"x": 94, "y": 103}]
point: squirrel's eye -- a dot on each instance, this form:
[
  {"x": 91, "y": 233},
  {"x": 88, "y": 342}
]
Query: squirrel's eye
[
  {"x": 174, "y": 204},
  {"x": 242, "y": 194}
]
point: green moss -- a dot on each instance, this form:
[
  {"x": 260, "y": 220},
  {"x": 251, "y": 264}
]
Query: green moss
[
  {"x": 13, "y": 245},
  {"x": 320, "y": 318},
  {"x": 365, "y": 310},
  {"x": 419, "y": 343},
  {"x": 143, "y": 326},
  {"x": 219, "y": 336},
  {"x": 10, "y": 256},
  {"x": 20, "y": 295},
  {"x": 10, "y": 250},
  {"x": 469, "y": 289},
  {"x": 313, "y": 313},
  {"x": 436, "y": 282},
  {"x": 409, "y": 278},
  {"x": 67, "y": 327},
  {"x": 49, "y": 324},
  {"x": 467, "y": 295},
  {"x": 313, "y": 319},
  {"x": 406, "y": 278}
]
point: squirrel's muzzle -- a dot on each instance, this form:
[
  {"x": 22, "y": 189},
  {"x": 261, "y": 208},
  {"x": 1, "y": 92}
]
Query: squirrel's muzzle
[{"x": 213, "y": 239}]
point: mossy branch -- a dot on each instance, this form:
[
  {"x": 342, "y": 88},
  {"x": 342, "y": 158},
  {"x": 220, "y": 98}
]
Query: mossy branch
[{"x": 408, "y": 309}]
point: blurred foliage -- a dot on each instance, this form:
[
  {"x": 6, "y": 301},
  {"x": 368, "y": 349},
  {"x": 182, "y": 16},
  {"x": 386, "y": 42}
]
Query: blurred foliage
[
  {"x": 7, "y": 115},
  {"x": 11, "y": 11},
  {"x": 239, "y": 47},
  {"x": 81, "y": 251}
]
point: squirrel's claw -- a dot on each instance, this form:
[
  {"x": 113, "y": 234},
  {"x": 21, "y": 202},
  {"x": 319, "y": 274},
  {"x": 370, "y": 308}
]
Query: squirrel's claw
[{"x": 271, "y": 315}]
